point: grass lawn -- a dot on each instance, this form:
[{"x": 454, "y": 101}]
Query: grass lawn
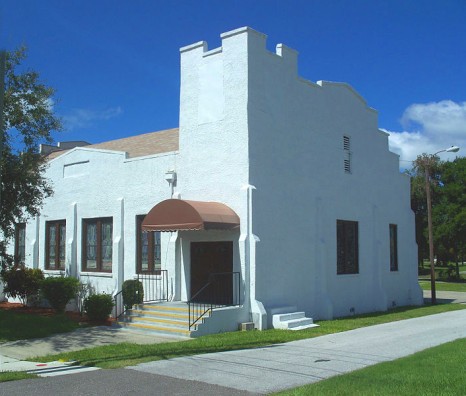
[
  {"x": 441, "y": 273},
  {"x": 21, "y": 326},
  {"x": 15, "y": 376},
  {"x": 444, "y": 286},
  {"x": 462, "y": 267},
  {"x": 435, "y": 371},
  {"x": 125, "y": 354}
]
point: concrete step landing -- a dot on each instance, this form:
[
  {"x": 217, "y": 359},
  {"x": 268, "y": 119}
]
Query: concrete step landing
[
  {"x": 291, "y": 321},
  {"x": 159, "y": 318}
]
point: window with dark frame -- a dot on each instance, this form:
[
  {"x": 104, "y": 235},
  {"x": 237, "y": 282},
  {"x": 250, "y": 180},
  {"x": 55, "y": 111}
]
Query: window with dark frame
[
  {"x": 55, "y": 245},
  {"x": 393, "y": 247},
  {"x": 97, "y": 244},
  {"x": 148, "y": 257},
  {"x": 347, "y": 247},
  {"x": 20, "y": 243}
]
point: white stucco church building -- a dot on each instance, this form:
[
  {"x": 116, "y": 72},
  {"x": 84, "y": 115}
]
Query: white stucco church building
[{"x": 275, "y": 195}]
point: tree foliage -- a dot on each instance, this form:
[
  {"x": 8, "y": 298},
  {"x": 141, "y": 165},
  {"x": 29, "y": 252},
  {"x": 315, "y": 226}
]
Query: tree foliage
[
  {"x": 448, "y": 191},
  {"x": 419, "y": 199},
  {"x": 28, "y": 120},
  {"x": 449, "y": 215}
]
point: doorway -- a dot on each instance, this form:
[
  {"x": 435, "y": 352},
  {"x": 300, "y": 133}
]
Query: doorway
[{"x": 212, "y": 265}]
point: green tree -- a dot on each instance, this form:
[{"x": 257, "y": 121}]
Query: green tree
[
  {"x": 28, "y": 120},
  {"x": 419, "y": 199},
  {"x": 448, "y": 191},
  {"x": 449, "y": 215}
]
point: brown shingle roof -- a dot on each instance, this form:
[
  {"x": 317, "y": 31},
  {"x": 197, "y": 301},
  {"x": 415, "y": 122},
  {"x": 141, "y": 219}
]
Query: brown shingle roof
[{"x": 137, "y": 146}]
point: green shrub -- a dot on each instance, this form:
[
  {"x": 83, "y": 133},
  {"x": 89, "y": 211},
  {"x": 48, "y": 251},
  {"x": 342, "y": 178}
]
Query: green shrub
[
  {"x": 59, "y": 291},
  {"x": 98, "y": 307},
  {"x": 23, "y": 283},
  {"x": 133, "y": 293}
]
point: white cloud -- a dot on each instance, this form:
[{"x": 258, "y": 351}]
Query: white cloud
[
  {"x": 430, "y": 127},
  {"x": 82, "y": 118},
  {"x": 437, "y": 117}
]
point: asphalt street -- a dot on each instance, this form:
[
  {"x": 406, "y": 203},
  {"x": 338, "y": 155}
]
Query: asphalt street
[{"x": 115, "y": 383}]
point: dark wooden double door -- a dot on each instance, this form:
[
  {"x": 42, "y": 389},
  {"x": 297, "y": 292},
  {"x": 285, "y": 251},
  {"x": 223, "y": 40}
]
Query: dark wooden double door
[{"x": 212, "y": 263}]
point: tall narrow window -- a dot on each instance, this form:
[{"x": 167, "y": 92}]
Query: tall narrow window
[
  {"x": 97, "y": 244},
  {"x": 347, "y": 247},
  {"x": 148, "y": 249},
  {"x": 347, "y": 153},
  {"x": 393, "y": 247},
  {"x": 55, "y": 245},
  {"x": 20, "y": 243}
]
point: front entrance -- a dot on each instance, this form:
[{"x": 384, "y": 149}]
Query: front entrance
[{"x": 212, "y": 264}]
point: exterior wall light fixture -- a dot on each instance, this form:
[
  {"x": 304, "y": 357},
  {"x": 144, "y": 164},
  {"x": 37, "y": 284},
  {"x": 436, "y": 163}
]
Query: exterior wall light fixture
[{"x": 170, "y": 177}]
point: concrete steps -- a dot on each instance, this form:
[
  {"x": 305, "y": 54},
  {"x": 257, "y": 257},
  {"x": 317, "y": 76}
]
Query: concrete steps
[
  {"x": 288, "y": 319},
  {"x": 167, "y": 318}
]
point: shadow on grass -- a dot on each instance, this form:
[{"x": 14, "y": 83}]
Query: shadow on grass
[
  {"x": 18, "y": 326},
  {"x": 75, "y": 338}
]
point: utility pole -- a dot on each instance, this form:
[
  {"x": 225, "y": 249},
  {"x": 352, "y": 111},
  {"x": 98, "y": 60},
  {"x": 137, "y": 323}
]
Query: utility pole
[
  {"x": 427, "y": 162},
  {"x": 2, "y": 95}
]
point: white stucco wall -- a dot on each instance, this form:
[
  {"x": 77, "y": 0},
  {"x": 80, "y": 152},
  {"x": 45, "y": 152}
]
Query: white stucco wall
[
  {"x": 261, "y": 124},
  {"x": 296, "y": 153},
  {"x": 90, "y": 183},
  {"x": 213, "y": 164}
]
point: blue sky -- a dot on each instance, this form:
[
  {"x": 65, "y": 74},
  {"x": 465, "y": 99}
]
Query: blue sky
[{"x": 115, "y": 64}]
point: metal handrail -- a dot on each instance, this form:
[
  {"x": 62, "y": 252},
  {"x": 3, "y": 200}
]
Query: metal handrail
[
  {"x": 198, "y": 310},
  {"x": 155, "y": 285},
  {"x": 191, "y": 305},
  {"x": 119, "y": 306}
]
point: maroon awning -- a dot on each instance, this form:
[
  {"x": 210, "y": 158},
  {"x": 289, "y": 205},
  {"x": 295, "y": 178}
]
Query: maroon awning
[{"x": 178, "y": 214}]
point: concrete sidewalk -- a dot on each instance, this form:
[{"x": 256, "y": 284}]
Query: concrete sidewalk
[
  {"x": 283, "y": 366},
  {"x": 446, "y": 297},
  {"x": 48, "y": 369}
]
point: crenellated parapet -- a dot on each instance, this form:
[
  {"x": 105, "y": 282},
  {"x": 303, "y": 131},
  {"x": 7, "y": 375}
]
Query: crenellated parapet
[{"x": 255, "y": 44}]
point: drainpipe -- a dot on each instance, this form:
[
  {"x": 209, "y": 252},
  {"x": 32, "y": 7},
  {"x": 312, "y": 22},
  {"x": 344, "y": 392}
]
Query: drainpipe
[
  {"x": 35, "y": 244},
  {"x": 258, "y": 313},
  {"x": 172, "y": 259},
  {"x": 72, "y": 235},
  {"x": 120, "y": 246}
]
